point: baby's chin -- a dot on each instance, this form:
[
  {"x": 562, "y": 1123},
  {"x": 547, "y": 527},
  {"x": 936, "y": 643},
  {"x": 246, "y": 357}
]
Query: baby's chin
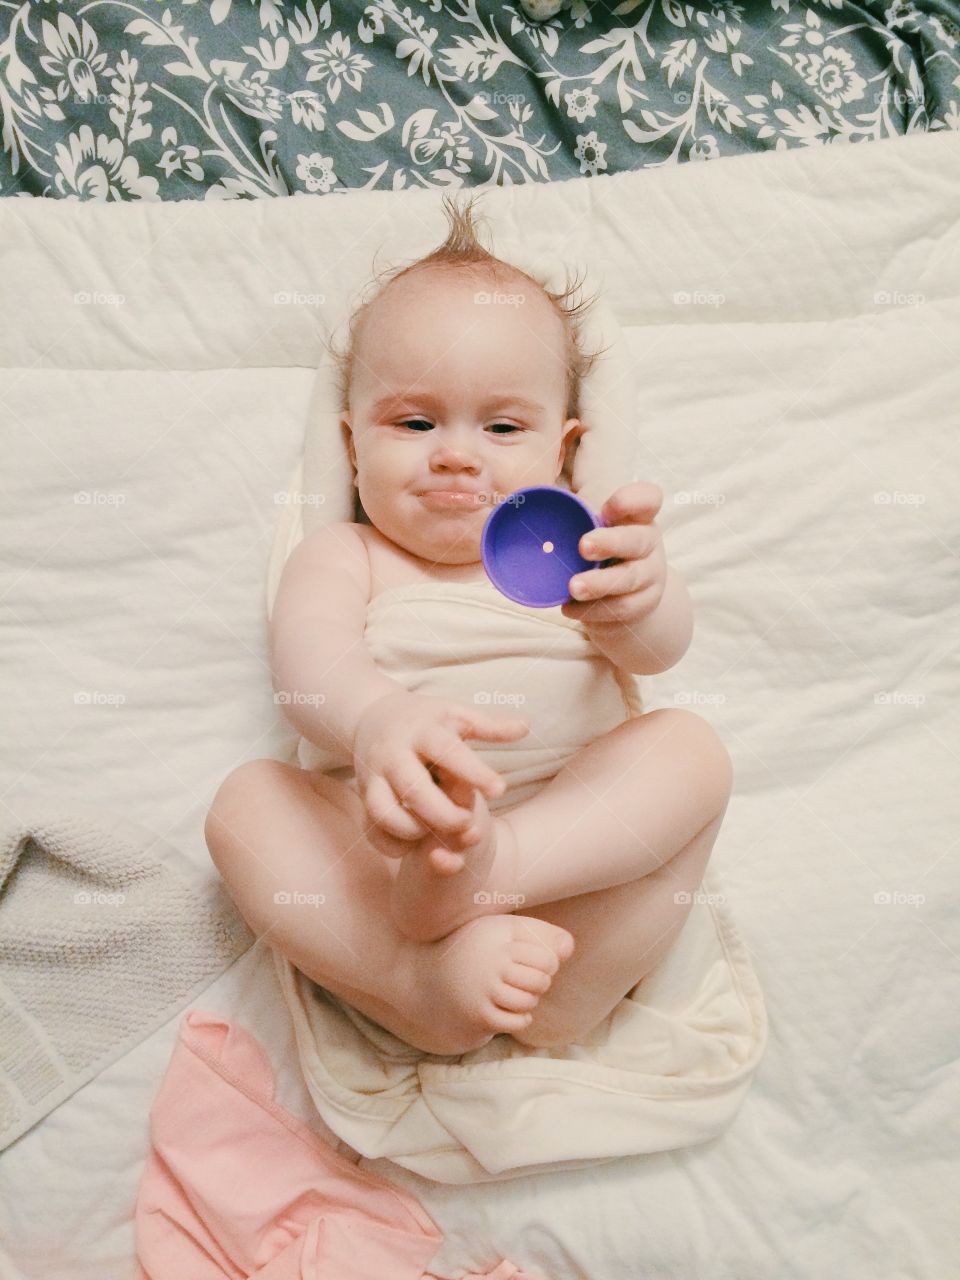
[
  {"x": 446, "y": 550},
  {"x": 446, "y": 541}
]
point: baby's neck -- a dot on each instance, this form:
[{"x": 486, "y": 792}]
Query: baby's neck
[{"x": 393, "y": 565}]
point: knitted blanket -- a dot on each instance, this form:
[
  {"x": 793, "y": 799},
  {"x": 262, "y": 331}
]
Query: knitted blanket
[{"x": 105, "y": 934}]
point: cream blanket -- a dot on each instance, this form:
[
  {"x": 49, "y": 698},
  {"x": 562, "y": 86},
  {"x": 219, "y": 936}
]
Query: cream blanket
[{"x": 823, "y": 618}]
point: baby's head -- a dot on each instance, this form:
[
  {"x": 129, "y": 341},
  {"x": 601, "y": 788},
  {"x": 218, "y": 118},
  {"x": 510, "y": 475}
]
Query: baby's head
[{"x": 461, "y": 373}]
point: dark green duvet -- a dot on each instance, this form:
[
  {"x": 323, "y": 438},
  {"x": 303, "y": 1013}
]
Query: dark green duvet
[{"x": 214, "y": 99}]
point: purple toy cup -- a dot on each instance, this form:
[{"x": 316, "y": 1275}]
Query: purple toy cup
[{"x": 529, "y": 544}]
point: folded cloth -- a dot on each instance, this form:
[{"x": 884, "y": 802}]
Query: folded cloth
[
  {"x": 105, "y": 934},
  {"x": 467, "y": 642},
  {"x": 669, "y": 1065},
  {"x": 235, "y": 1185}
]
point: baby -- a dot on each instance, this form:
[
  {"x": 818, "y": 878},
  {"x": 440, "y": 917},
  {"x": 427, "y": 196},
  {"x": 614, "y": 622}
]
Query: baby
[{"x": 452, "y": 402}]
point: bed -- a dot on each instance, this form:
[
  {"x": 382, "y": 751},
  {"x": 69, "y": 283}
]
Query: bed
[{"x": 793, "y": 320}]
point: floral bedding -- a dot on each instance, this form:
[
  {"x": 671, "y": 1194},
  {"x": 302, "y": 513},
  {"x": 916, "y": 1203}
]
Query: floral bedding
[{"x": 223, "y": 99}]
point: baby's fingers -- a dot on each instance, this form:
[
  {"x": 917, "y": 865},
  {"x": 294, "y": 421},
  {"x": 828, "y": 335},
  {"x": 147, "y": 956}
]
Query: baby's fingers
[
  {"x": 474, "y": 724},
  {"x": 419, "y": 794},
  {"x": 386, "y": 811},
  {"x": 456, "y": 760}
]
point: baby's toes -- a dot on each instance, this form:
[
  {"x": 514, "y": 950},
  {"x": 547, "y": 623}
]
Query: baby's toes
[
  {"x": 506, "y": 996},
  {"x": 544, "y": 936},
  {"x": 527, "y": 977},
  {"x": 506, "y": 1022},
  {"x": 533, "y": 955}
]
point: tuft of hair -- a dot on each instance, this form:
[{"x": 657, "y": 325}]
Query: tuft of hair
[{"x": 463, "y": 250}]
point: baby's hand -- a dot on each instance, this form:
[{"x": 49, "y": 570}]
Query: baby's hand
[
  {"x": 633, "y": 585},
  {"x": 404, "y": 736}
]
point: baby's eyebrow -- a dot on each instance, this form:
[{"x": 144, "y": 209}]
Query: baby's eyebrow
[{"x": 399, "y": 401}]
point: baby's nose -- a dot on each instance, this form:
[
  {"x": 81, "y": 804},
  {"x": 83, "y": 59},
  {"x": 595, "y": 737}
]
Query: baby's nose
[{"x": 454, "y": 454}]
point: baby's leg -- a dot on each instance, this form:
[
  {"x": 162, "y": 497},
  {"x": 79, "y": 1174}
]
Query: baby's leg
[
  {"x": 275, "y": 829},
  {"x": 622, "y": 934},
  {"x": 619, "y": 809}
]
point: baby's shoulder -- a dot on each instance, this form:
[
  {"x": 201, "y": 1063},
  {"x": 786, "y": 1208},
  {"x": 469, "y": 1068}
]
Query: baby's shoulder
[
  {"x": 334, "y": 554},
  {"x": 342, "y": 533}
]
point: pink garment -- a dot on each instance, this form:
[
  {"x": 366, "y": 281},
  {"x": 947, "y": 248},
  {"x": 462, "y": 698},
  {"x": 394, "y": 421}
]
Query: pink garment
[{"x": 235, "y": 1186}]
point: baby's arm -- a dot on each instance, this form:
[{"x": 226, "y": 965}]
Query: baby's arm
[
  {"x": 316, "y": 639},
  {"x": 365, "y": 719},
  {"x": 654, "y": 643},
  {"x": 636, "y": 608}
]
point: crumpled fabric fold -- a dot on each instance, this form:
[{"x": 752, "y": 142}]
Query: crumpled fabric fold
[{"x": 236, "y": 1187}]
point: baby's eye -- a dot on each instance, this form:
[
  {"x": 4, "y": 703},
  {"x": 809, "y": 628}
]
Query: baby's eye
[{"x": 498, "y": 427}]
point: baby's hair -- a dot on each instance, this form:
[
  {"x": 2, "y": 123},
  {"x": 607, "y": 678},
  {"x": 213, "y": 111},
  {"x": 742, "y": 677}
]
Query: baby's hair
[{"x": 463, "y": 250}]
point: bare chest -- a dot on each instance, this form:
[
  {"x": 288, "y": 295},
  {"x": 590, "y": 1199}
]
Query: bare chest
[{"x": 391, "y": 566}]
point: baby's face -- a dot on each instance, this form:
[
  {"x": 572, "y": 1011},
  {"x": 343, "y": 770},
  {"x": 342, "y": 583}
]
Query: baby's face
[{"x": 450, "y": 393}]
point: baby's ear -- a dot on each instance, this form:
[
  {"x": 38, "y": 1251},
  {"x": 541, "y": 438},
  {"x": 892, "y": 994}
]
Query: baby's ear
[
  {"x": 573, "y": 428},
  {"x": 347, "y": 435}
]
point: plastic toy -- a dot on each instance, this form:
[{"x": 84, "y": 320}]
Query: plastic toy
[{"x": 529, "y": 545}]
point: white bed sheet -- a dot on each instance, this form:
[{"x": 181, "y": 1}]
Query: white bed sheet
[{"x": 825, "y": 654}]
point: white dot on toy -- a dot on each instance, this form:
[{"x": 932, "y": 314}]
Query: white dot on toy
[{"x": 548, "y": 546}]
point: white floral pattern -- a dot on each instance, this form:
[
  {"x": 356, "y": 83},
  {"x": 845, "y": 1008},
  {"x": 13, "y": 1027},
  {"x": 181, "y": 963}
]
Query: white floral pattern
[
  {"x": 97, "y": 169},
  {"x": 72, "y": 58},
  {"x": 211, "y": 99},
  {"x": 335, "y": 63},
  {"x": 316, "y": 172},
  {"x": 832, "y": 75}
]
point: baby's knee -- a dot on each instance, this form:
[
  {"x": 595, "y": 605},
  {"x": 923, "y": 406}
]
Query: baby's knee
[
  {"x": 700, "y": 747},
  {"x": 247, "y": 785}
]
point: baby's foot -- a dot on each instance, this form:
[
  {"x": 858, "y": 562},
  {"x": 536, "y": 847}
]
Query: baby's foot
[
  {"x": 484, "y": 979},
  {"x": 439, "y": 887}
]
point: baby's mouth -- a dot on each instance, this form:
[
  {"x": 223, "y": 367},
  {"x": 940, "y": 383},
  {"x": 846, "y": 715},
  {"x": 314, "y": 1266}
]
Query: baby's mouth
[{"x": 452, "y": 499}]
